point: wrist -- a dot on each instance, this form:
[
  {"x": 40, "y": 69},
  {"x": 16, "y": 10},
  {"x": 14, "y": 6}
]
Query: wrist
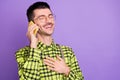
[
  {"x": 67, "y": 71},
  {"x": 33, "y": 45}
]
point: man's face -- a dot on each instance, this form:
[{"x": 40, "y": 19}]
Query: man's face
[{"x": 45, "y": 20}]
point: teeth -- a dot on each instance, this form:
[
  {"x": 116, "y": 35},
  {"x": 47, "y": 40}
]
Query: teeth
[{"x": 48, "y": 26}]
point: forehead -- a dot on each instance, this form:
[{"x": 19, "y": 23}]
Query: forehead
[{"x": 45, "y": 11}]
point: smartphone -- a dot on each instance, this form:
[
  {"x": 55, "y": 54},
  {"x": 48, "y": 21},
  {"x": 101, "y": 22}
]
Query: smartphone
[{"x": 34, "y": 31}]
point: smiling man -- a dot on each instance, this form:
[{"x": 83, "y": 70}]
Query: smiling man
[{"x": 43, "y": 59}]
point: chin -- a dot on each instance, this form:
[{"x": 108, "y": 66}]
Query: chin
[{"x": 49, "y": 33}]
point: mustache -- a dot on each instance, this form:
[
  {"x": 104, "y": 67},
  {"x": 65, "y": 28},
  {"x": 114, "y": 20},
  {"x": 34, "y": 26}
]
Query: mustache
[{"x": 47, "y": 24}]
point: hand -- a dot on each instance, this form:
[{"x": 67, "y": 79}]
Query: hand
[
  {"x": 58, "y": 65},
  {"x": 31, "y": 36}
]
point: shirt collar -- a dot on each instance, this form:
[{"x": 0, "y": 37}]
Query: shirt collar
[{"x": 42, "y": 46}]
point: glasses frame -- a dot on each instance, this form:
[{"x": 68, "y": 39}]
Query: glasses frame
[{"x": 43, "y": 18}]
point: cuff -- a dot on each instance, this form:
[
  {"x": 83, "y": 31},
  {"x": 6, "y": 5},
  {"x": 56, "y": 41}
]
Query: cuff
[{"x": 34, "y": 53}]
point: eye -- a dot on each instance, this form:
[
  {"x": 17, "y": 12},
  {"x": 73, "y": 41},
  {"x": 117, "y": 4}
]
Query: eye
[
  {"x": 41, "y": 17},
  {"x": 51, "y": 16}
]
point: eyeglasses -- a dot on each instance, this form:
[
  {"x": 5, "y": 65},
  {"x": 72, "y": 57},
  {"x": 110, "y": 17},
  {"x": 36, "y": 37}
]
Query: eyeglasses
[{"x": 43, "y": 18}]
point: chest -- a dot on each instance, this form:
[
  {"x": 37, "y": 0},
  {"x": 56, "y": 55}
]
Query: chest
[{"x": 44, "y": 71}]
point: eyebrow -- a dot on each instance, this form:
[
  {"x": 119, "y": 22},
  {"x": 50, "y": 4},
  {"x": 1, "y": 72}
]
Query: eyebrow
[{"x": 44, "y": 15}]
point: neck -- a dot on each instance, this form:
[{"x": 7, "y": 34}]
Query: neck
[{"x": 47, "y": 40}]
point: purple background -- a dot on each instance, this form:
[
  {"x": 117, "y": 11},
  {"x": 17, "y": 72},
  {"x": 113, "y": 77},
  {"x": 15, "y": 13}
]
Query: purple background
[{"x": 90, "y": 27}]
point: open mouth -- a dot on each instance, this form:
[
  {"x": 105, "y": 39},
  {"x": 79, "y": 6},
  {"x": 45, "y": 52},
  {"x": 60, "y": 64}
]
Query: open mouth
[{"x": 49, "y": 26}]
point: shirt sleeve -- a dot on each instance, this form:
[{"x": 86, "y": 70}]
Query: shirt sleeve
[
  {"x": 28, "y": 60},
  {"x": 75, "y": 72}
]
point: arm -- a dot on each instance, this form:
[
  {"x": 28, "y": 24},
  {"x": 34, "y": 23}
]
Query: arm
[
  {"x": 28, "y": 63},
  {"x": 75, "y": 72}
]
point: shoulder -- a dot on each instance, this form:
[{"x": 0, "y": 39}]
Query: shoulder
[
  {"x": 24, "y": 49},
  {"x": 67, "y": 50}
]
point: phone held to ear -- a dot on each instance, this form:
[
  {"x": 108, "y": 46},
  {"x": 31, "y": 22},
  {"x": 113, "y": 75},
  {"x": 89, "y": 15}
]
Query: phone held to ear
[{"x": 36, "y": 29}]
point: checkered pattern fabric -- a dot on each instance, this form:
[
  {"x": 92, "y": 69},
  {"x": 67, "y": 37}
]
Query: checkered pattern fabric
[{"x": 31, "y": 66}]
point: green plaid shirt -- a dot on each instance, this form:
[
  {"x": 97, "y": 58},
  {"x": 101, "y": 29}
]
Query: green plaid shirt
[{"x": 31, "y": 66}]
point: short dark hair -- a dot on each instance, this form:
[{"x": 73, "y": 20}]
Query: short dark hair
[{"x": 36, "y": 5}]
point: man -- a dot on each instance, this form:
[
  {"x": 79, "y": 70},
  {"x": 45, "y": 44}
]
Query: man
[{"x": 43, "y": 59}]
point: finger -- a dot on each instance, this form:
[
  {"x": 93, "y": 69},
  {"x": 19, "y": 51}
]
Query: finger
[
  {"x": 51, "y": 68},
  {"x": 30, "y": 29},
  {"x": 33, "y": 30},
  {"x": 31, "y": 26},
  {"x": 59, "y": 58},
  {"x": 48, "y": 64},
  {"x": 48, "y": 61},
  {"x": 51, "y": 59}
]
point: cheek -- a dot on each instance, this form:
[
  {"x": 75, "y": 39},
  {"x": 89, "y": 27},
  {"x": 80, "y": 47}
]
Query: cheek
[
  {"x": 53, "y": 21},
  {"x": 41, "y": 25}
]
